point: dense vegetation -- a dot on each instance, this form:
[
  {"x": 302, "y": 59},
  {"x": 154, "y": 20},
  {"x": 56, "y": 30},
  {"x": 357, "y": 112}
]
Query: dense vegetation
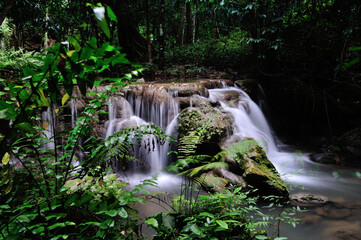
[{"x": 306, "y": 53}]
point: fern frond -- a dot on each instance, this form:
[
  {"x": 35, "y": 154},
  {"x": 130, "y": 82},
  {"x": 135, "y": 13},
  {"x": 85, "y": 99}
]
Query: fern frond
[
  {"x": 209, "y": 166},
  {"x": 241, "y": 147},
  {"x": 210, "y": 181}
]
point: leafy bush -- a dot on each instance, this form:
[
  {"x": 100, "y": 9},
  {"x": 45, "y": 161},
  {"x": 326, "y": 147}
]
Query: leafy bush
[
  {"x": 215, "y": 216},
  {"x": 13, "y": 61},
  {"x": 228, "y": 52},
  {"x": 44, "y": 195}
]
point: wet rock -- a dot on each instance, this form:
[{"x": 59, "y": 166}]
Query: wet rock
[
  {"x": 216, "y": 83},
  {"x": 212, "y": 181},
  {"x": 329, "y": 155},
  {"x": 220, "y": 179},
  {"x": 256, "y": 168},
  {"x": 121, "y": 108},
  {"x": 250, "y": 86},
  {"x": 230, "y": 177},
  {"x": 347, "y": 235},
  {"x": 193, "y": 119},
  {"x": 184, "y": 102},
  {"x": 189, "y": 89},
  {"x": 307, "y": 200}
]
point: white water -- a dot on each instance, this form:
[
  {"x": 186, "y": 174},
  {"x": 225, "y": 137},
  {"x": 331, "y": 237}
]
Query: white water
[
  {"x": 249, "y": 121},
  {"x": 48, "y": 125},
  {"x": 335, "y": 182},
  {"x": 294, "y": 166},
  {"x": 142, "y": 110}
]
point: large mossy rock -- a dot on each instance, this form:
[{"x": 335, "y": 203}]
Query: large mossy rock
[
  {"x": 257, "y": 170},
  {"x": 218, "y": 124}
]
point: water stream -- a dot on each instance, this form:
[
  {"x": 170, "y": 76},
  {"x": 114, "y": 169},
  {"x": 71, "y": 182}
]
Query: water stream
[{"x": 337, "y": 183}]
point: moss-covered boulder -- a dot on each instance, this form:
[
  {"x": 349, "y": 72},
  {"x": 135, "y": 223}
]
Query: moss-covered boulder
[
  {"x": 256, "y": 169},
  {"x": 218, "y": 124}
]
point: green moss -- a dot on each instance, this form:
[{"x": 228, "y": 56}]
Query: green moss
[
  {"x": 193, "y": 119},
  {"x": 253, "y": 161},
  {"x": 241, "y": 148}
]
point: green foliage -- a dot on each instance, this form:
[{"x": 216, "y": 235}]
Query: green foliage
[
  {"x": 241, "y": 148},
  {"x": 227, "y": 52},
  {"x": 13, "y": 61},
  {"x": 216, "y": 216},
  {"x": 44, "y": 195}
]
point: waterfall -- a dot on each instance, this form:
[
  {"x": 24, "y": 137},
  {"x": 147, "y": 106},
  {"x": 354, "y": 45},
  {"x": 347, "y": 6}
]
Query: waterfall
[
  {"x": 145, "y": 109},
  {"x": 79, "y": 154},
  {"x": 157, "y": 104},
  {"x": 48, "y": 125},
  {"x": 74, "y": 112}
]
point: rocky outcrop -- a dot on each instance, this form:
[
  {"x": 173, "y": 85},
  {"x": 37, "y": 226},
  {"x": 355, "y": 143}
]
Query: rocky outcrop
[
  {"x": 248, "y": 166},
  {"x": 218, "y": 124},
  {"x": 250, "y": 86},
  {"x": 308, "y": 200},
  {"x": 255, "y": 168}
]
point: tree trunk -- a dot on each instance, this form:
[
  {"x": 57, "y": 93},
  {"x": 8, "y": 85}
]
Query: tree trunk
[
  {"x": 189, "y": 23},
  {"x": 182, "y": 26},
  {"x": 161, "y": 36},
  {"x": 194, "y": 22},
  {"x": 149, "y": 43},
  {"x": 218, "y": 34},
  {"x": 131, "y": 41},
  {"x": 46, "y": 36}
]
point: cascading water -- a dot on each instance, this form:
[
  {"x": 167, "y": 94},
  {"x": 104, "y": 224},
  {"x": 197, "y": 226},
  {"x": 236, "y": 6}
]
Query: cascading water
[
  {"x": 48, "y": 125},
  {"x": 336, "y": 182},
  {"x": 136, "y": 110},
  {"x": 79, "y": 154},
  {"x": 162, "y": 109}
]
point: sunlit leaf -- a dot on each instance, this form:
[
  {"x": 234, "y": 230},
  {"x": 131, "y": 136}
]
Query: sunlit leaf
[
  {"x": 76, "y": 44},
  {"x": 3, "y": 114},
  {"x": 64, "y": 99},
  {"x": 70, "y": 53},
  {"x": 25, "y": 126},
  {"x": 222, "y": 224},
  {"x": 8, "y": 188},
  {"x": 6, "y": 158},
  {"x": 111, "y": 14},
  {"x": 123, "y": 213},
  {"x": 354, "y": 48},
  {"x": 152, "y": 222},
  {"x": 261, "y": 237}
]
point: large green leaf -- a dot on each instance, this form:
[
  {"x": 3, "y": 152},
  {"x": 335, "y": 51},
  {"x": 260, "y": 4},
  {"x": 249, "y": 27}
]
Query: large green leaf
[
  {"x": 223, "y": 224},
  {"x": 169, "y": 221},
  {"x": 152, "y": 222},
  {"x": 123, "y": 213},
  {"x": 6, "y": 158},
  {"x": 111, "y": 14}
]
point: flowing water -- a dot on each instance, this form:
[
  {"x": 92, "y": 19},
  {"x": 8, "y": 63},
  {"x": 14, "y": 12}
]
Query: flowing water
[
  {"x": 48, "y": 125},
  {"x": 338, "y": 184}
]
